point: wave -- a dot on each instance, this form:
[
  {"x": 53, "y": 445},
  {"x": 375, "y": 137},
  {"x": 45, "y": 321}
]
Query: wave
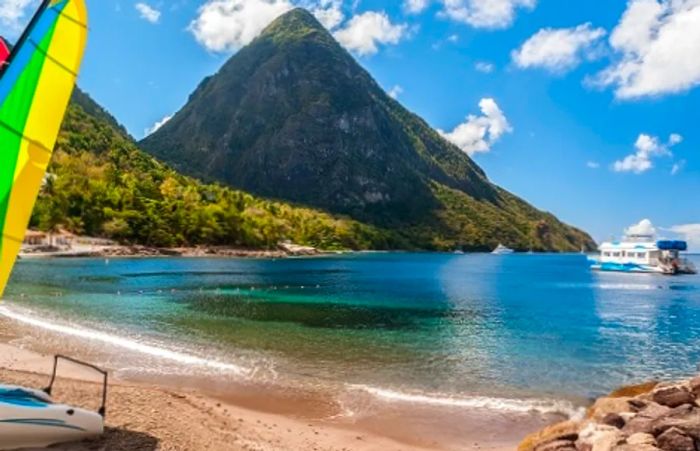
[
  {"x": 542, "y": 406},
  {"x": 125, "y": 343}
]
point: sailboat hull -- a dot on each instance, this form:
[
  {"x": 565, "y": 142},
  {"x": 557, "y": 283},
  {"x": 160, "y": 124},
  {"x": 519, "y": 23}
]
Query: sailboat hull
[{"x": 29, "y": 418}]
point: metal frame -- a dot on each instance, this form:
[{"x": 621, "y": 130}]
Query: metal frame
[{"x": 103, "y": 408}]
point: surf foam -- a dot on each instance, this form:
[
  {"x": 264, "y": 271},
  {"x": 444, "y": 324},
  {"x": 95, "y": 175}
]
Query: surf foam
[
  {"x": 543, "y": 406},
  {"x": 125, "y": 343}
]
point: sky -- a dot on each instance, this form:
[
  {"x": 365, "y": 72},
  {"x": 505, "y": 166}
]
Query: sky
[{"x": 587, "y": 109}]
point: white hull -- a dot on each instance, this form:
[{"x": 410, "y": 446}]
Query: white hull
[{"x": 28, "y": 418}]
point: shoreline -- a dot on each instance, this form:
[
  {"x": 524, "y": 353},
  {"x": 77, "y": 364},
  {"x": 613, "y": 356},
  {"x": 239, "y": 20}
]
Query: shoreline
[
  {"x": 311, "y": 420},
  {"x": 132, "y": 251}
]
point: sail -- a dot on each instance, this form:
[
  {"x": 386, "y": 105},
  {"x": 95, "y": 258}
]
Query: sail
[
  {"x": 35, "y": 87},
  {"x": 4, "y": 52}
]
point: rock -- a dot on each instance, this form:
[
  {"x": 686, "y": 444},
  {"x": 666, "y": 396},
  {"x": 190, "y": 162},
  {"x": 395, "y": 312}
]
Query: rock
[
  {"x": 627, "y": 447},
  {"x": 688, "y": 423},
  {"x": 644, "y": 420},
  {"x": 694, "y": 385},
  {"x": 637, "y": 404},
  {"x": 558, "y": 445},
  {"x": 673, "y": 396},
  {"x": 627, "y": 416},
  {"x": 604, "y": 406},
  {"x": 567, "y": 430},
  {"x": 641, "y": 438},
  {"x": 675, "y": 440},
  {"x": 613, "y": 419},
  {"x": 599, "y": 437}
]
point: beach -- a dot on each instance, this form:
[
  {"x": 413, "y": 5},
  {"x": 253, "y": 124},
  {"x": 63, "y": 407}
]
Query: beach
[{"x": 142, "y": 416}]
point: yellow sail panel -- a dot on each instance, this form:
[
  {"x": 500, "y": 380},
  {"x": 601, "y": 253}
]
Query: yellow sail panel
[{"x": 34, "y": 93}]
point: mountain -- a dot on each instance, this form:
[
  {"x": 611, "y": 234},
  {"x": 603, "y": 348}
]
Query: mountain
[
  {"x": 100, "y": 184},
  {"x": 293, "y": 116}
]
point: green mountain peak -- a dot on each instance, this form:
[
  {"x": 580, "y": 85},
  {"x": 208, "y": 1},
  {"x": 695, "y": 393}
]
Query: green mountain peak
[
  {"x": 297, "y": 24},
  {"x": 293, "y": 116}
]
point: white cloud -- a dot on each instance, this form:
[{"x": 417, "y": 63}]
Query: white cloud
[
  {"x": 656, "y": 45},
  {"x": 147, "y": 12},
  {"x": 592, "y": 164},
  {"x": 415, "y": 6},
  {"x": 484, "y": 67},
  {"x": 559, "y": 50},
  {"x": 227, "y": 25},
  {"x": 677, "y": 167},
  {"x": 643, "y": 227},
  {"x": 647, "y": 147},
  {"x": 364, "y": 32},
  {"x": 395, "y": 91},
  {"x": 484, "y": 13},
  {"x": 453, "y": 38},
  {"x": 329, "y": 13},
  {"x": 479, "y": 133},
  {"x": 674, "y": 139},
  {"x": 13, "y": 13},
  {"x": 690, "y": 232},
  {"x": 157, "y": 125}
]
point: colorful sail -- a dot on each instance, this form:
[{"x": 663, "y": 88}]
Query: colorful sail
[
  {"x": 4, "y": 52},
  {"x": 35, "y": 87}
]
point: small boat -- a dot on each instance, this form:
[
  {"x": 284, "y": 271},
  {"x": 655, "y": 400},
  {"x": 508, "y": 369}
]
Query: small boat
[
  {"x": 30, "y": 418},
  {"x": 502, "y": 250},
  {"x": 643, "y": 254}
]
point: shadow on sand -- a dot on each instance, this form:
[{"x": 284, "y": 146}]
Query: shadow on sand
[{"x": 114, "y": 439}]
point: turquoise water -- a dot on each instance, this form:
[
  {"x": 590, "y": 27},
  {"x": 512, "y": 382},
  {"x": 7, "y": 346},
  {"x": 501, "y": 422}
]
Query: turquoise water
[{"x": 449, "y": 326}]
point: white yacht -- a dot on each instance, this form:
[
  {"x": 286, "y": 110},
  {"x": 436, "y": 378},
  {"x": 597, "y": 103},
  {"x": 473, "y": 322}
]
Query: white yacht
[
  {"x": 643, "y": 253},
  {"x": 502, "y": 250}
]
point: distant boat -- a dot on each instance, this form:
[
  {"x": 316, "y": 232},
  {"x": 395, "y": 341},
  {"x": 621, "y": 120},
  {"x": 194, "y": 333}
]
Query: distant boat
[
  {"x": 643, "y": 254},
  {"x": 502, "y": 250}
]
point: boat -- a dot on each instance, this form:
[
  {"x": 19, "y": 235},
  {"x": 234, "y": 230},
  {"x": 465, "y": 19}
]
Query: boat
[
  {"x": 37, "y": 78},
  {"x": 31, "y": 418},
  {"x": 502, "y": 250},
  {"x": 643, "y": 254}
]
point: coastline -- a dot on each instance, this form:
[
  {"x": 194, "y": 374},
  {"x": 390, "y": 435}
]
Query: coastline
[
  {"x": 130, "y": 251},
  {"x": 180, "y": 413}
]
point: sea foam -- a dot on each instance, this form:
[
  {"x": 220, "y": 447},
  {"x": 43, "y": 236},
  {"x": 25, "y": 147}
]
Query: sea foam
[
  {"x": 124, "y": 343},
  {"x": 542, "y": 406}
]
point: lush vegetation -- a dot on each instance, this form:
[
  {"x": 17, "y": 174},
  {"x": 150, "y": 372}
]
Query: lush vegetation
[{"x": 100, "y": 184}]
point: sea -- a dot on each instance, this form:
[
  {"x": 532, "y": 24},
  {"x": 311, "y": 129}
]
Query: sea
[{"x": 512, "y": 333}]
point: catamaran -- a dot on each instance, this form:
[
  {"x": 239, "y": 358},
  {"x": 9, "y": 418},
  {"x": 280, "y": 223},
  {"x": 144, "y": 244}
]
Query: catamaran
[
  {"x": 642, "y": 253},
  {"x": 36, "y": 81}
]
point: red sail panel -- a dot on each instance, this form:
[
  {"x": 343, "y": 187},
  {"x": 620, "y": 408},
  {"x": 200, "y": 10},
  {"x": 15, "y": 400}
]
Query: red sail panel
[{"x": 4, "y": 52}]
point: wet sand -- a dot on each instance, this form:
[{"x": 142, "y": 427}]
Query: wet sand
[{"x": 186, "y": 414}]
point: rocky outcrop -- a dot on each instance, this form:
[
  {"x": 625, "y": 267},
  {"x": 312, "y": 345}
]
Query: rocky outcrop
[{"x": 649, "y": 417}]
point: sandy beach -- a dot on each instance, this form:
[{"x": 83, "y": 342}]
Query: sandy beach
[{"x": 147, "y": 416}]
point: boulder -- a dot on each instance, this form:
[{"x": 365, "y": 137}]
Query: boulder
[
  {"x": 644, "y": 420},
  {"x": 675, "y": 439},
  {"x": 558, "y": 445},
  {"x": 567, "y": 430},
  {"x": 673, "y": 396},
  {"x": 688, "y": 423},
  {"x": 604, "y": 406},
  {"x": 641, "y": 438},
  {"x": 599, "y": 437},
  {"x": 628, "y": 447},
  {"x": 613, "y": 419},
  {"x": 694, "y": 385}
]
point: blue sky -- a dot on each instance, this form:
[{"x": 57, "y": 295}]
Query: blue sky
[{"x": 586, "y": 109}]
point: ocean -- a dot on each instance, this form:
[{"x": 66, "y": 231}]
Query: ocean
[{"x": 515, "y": 333}]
